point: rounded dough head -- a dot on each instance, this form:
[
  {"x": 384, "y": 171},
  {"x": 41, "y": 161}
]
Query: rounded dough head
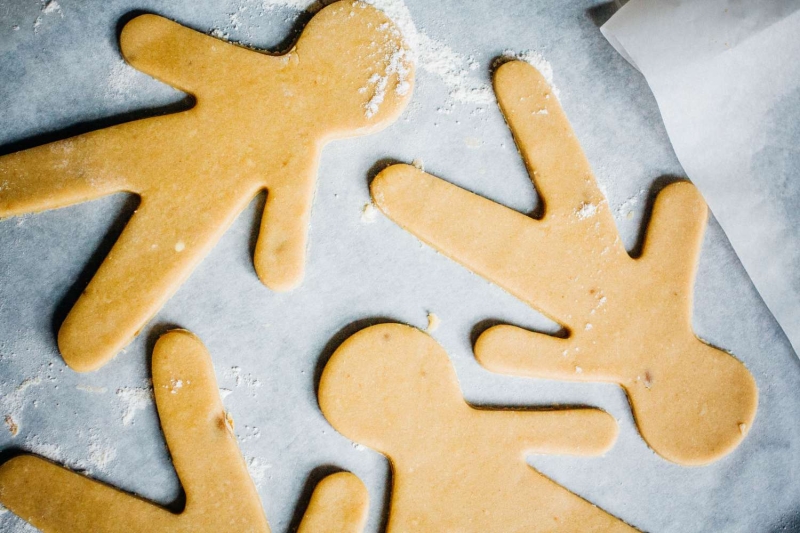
[
  {"x": 371, "y": 386},
  {"x": 360, "y": 57}
]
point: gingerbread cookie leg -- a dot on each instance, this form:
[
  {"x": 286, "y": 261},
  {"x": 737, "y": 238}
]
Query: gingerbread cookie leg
[
  {"x": 156, "y": 252},
  {"x": 220, "y": 496},
  {"x": 280, "y": 252},
  {"x": 338, "y": 505},
  {"x": 628, "y": 319}
]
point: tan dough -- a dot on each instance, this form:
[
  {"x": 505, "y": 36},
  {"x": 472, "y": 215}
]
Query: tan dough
[
  {"x": 220, "y": 496},
  {"x": 629, "y": 320},
  {"x": 454, "y": 467},
  {"x": 259, "y": 123},
  {"x": 339, "y": 504}
]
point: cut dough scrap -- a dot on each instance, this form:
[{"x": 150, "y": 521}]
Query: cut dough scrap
[
  {"x": 220, "y": 495},
  {"x": 454, "y": 467},
  {"x": 629, "y": 320},
  {"x": 259, "y": 123},
  {"x": 339, "y": 504}
]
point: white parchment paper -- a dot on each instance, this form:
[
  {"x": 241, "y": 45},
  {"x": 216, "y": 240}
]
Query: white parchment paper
[
  {"x": 60, "y": 66},
  {"x": 727, "y": 80}
]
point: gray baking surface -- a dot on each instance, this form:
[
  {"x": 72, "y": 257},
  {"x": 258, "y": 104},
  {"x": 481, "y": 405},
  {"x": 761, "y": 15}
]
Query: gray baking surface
[{"x": 61, "y": 67}]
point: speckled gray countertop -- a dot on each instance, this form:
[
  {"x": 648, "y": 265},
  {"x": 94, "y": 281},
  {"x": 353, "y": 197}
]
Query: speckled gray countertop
[{"x": 60, "y": 67}]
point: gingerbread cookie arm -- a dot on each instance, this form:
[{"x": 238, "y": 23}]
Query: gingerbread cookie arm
[
  {"x": 155, "y": 253},
  {"x": 338, "y": 505},
  {"x": 57, "y": 500},
  {"x": 280, "y": 252},
  {"x": 455, "y": 222},
  {"x": 679, "y": 216},
  {"x": 180, "y": 56},
  {"x": 574, "y": 431},
  {"x": 544, "y": 137},
  {"x": 511, "y": 350},
  {"x": 59, "y": 174},
  {"x": 198, "y": 431}
]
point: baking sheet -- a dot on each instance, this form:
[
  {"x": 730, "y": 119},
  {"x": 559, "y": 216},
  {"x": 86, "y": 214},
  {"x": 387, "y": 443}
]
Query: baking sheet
[
  {"x": 728, "y": 87},
  {"x": 267, "y": 347}
]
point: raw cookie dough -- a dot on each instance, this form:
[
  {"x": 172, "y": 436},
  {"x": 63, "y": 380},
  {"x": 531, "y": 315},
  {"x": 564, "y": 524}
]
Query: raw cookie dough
[
  {"x": 220, "y": 496},
  {"x": 455, "y": 467},
  {"x": 628, "y": 319},
  {"x": 339, "y": 504},
  {"x": 259, "y": 123}
]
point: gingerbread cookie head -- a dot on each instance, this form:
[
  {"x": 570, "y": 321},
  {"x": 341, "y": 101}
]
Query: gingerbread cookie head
[
  {"x": 628, "y": 318},
  {"x": 454, "y": 467},
  {"x": 350, "y": 71}
]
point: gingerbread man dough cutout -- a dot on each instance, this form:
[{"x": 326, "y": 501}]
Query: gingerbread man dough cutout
[
  {"x": 455, "y": 467},
  {"x": 259, "y": 123},
  {"x": 220, "y": 496},
  {"x": 628, "y": 320}
]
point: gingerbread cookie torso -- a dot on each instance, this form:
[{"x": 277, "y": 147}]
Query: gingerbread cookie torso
[
  {"x": 628, "y": 319},
  {"x": 454, "y": 467},
  {"x": 259, "y": 123}
]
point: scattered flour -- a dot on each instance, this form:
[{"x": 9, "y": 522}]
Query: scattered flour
[
  {"x": 433, "y": 323},
  {"x": 175, "y": 385},
  {"x": 249, "y": 433},
  {"x": 134, "y": 399},
  {"x": 49, "y": 7},
  {"x": 537, "y": 60},
  {"x": 224, "y": 393},
  {"x": 13, "y": 404},
  {"x": 120, "y": 82},
  {"x": 257, "y": 469},
  {"x": 53, "y": 452},
  {"x": 586, "y": 210},
  {"x": 90, "y": 388},
  {"x": 101, "y": 453},
  {"x": 369, "y": 213},
  {"x": 626, "y": 208},
  {"x": 243, "y": 379},
  {"x": 454, "y": 69}
]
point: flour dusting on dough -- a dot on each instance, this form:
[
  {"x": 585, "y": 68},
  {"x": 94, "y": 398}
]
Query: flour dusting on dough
[
  {"x": 541, "y": 64},
  {"x": 586, "y": 210}
]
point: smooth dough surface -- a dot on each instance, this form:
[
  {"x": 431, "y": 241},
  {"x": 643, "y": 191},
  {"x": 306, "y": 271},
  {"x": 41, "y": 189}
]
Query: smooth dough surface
[
  {"x": 220, "y": 495},
  {"x": 628, "y": 320},
  {"x": 454, "y": 467},
  {"x": 339, "y": 504},
  {"x": 259, "y": 123}
]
